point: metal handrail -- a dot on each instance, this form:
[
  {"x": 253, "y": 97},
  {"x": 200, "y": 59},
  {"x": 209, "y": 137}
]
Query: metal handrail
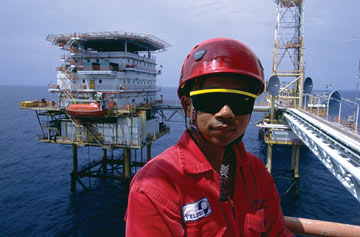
[{"x": 303, "y": 226}]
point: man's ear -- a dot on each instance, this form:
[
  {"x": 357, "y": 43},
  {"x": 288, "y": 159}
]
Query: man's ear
[{"x": 185, "y": 103}]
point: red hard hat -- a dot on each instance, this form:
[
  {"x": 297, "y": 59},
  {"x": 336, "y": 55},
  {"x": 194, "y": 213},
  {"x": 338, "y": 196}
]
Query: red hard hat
[{"x": 221, "y": 55}]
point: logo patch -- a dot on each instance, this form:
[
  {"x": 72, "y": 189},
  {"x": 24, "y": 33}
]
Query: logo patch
[
  {"x": 198, "y": 55},
  {"x": 196, "y": 210}
]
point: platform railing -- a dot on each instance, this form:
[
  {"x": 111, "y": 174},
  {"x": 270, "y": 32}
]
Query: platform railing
[
  {"x": 338, "y": 120},
  {"x": 317, "y": 105}
]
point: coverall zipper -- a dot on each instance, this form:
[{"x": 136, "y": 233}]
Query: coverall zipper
[{"x": 233, "y": 208}]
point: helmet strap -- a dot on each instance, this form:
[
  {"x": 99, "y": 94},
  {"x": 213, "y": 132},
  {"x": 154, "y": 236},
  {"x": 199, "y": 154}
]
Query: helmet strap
[{"x": 194, "y": 130}]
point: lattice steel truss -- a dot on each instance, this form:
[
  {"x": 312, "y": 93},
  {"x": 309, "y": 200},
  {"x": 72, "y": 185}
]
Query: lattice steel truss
[
  {"x": 288, "y": 52},
  {"x": 339, "y": 154}
]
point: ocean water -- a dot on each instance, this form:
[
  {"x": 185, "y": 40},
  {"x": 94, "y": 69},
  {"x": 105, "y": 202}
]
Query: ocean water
[{"x": 35, "y": 197}]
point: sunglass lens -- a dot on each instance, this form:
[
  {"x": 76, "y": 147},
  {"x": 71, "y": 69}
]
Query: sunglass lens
[{"x": 213, "y": 102}]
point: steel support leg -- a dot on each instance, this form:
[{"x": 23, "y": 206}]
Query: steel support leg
[
  {"x": 269, "y": 157},
  {"x": 74, "y": 172},
  {"x": 127, "y": 166},
  {"x": 148, "y": 151},
  {"x": 296, "y": 170},
  {"x": 104, "y": 161},
  {"x": 112, "y": 161},
  {"x": 293, "y": 152},
  {"x": 297, "y": 158}
]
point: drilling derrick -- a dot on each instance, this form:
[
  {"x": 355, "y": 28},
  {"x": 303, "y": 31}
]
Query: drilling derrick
[
  {"x": 288, "y": 62},
  {"x": 285, "y": 88}
]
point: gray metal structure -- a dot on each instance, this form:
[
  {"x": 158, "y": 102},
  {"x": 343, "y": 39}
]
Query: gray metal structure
[
  {"x": 288, "y": 63},
  {"x": 288, "y": 68},
  {"x": 106, "y": 88},
  {"x": 338, "y": 151}
]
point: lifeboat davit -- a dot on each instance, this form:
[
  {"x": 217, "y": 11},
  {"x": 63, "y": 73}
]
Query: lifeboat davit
[{"x": 92, "y": 110}]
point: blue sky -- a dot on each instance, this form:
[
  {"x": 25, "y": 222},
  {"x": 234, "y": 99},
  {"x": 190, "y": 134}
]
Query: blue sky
[{"x": 332, "y": 35}]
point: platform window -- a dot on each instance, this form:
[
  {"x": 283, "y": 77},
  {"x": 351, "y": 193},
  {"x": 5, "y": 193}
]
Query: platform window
[{"x": 100, "y": 81}]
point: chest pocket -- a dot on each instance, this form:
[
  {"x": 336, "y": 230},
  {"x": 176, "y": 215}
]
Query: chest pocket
[
  {"x": 255, "y": 223},
  {"x": 207, "y": 226},
  {"x": 200, "y": 219}
]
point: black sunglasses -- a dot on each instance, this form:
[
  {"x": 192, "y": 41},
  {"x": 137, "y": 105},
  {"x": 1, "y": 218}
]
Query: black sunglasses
[{"x": 213, "y": 100}]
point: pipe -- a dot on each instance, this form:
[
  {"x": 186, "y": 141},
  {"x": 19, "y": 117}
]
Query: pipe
[{"x": 304, "y": 226}]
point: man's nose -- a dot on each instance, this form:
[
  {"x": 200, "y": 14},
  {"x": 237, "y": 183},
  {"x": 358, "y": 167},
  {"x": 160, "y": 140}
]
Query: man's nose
[{"x": 225, "y": 112}]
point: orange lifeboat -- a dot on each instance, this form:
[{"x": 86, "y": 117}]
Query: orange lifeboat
[{"x": 92, "y": 110}]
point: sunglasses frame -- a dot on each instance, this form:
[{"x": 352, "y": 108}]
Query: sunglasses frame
[
  {"x": 215, "y": 109},
  {"x": 233, "y": 91}
]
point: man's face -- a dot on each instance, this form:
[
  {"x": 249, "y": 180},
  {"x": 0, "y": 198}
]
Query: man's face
[{"x": 222, "y": 127}]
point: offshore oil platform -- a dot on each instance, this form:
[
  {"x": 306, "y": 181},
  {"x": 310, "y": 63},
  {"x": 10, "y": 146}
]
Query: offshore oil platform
[
  {"x": 107, "y": 98},
  {"x": 106, "y": 87}
]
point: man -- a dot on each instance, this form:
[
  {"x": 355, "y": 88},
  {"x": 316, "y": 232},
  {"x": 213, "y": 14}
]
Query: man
[{"x": 207, "y": 184}]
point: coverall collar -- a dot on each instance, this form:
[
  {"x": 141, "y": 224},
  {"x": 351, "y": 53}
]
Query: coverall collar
[{"x": 193, "y": 160}]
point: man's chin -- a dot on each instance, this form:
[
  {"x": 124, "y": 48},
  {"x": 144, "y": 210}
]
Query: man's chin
[{"x": 220, "y": 143}]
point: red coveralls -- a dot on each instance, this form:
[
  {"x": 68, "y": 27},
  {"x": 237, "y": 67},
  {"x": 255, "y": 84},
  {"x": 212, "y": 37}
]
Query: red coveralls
[{"x": 177, "y": 194}]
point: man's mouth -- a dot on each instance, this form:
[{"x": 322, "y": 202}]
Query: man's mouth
[{"x": 223, "y": 127}]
